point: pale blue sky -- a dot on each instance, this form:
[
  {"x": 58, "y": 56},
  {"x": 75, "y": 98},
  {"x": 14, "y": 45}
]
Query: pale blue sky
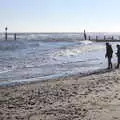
[{"x": 60, "y": 15}]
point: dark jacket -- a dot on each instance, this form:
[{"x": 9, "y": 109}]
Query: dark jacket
[
  {"x": 109, "y": 51},
  {"x": 118, "y": 52}
]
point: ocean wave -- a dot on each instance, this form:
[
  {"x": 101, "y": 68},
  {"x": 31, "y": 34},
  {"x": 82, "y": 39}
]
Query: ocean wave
[
  {"x": 76, "y": 50},
  {"x": 86, "y": 42}
]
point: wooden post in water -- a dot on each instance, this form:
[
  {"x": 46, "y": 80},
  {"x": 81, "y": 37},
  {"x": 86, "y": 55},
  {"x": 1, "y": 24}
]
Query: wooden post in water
[
  {"x": 89, "y": 37},
  {"x": 6, "y": 33},
  {"x": 14, "y": 36},
  {"x": 85, "y": 35},
  {"x": 112, "y": 38},
  {"x": 104, "y": 37},
  {"x": 96, "y": 37}
]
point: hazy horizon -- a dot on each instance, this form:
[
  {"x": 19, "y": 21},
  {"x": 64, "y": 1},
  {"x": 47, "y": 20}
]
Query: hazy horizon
[{"x": 57, "y": 32}]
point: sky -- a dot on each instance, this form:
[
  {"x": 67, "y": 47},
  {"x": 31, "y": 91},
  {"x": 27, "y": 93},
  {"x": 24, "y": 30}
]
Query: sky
[{"x": 60, "y": 15}]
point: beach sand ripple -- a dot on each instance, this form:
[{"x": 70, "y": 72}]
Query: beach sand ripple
[{"x": 92, "y": 97}]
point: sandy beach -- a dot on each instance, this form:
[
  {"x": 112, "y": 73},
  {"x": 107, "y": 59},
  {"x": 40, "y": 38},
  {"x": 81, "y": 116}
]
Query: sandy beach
[
  {"x": 92, "y": 97},
  {"x": 59, "y": 60}
]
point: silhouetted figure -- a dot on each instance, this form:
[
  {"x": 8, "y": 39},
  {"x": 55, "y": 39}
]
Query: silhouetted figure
[
  {"x": 85, "y": 36},
  {"x": 118, "y": 55},
  {"x": 6, "y": 33},
  {"x": 109, "y": 53},
  {"x": 15, "y": 36}
]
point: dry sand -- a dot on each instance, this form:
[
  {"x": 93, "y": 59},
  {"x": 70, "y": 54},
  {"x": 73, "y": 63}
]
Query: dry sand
[{"x": 93, "y": 97}]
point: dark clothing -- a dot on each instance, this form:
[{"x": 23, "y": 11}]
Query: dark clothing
[
  {"x": 118, "y": 52},
  {"x": 109, "y": 53},
  {"x": 118, "y": 62},
  {"x": 118, "y": 56},
  {"x": 109, "y": 63}
]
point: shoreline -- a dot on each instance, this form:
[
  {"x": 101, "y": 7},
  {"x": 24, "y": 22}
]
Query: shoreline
[
  {"x": 38, "y": 80},
  {"x": 94, "y": 96}
]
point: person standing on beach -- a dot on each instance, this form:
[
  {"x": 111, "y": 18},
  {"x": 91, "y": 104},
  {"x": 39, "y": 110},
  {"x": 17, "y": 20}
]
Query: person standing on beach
[
  {"x": 108, "y": 55},
  {"x": 118, "y": 55}
]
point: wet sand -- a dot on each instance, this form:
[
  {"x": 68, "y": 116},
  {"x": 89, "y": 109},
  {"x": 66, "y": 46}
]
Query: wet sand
[{"x": 91, "y": 97}]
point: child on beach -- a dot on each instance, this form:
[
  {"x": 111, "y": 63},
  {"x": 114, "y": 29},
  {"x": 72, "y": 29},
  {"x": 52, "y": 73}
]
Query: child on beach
[{"x": 118, "y": 55}]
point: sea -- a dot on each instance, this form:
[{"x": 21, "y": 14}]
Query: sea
[{"x": 44, "y": 56}]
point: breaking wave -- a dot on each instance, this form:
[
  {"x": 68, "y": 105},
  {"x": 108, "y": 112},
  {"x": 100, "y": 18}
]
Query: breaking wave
[{"x": 85, "y": 46}]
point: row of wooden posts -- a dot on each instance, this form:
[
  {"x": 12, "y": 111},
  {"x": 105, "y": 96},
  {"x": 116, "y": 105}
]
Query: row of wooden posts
[
  {"x": 89, "y": 37},
  {"x": 85, "y": 36},
  {"x": 6, "y": 34},
  {"x": 97, "y": 38}
]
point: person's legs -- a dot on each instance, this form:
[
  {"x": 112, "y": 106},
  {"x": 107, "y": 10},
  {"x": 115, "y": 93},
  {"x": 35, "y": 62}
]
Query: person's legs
[
  {"x": 109, "y": 63},
  {"x": 118, "y": 62}
]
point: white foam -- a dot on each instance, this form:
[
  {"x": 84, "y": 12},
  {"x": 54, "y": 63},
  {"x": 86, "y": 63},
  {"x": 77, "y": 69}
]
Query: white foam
[
  {"x": 73, "y": 51},
  {"x": 86, "y": 42}
]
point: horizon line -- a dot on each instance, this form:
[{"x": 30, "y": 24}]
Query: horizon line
[{"x": 59, "y": 32}]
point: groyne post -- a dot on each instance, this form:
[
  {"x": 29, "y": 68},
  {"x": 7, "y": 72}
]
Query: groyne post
[
  {"x": 15, "y": 36},
  {"x": 104, "y": 37},
  {"x": 112, "y": 38},
  {"x": 89, "y": 38},
  {"x": 6, "y": 33},
  {"x": 96, "y": 37},
  {"x": 85, "y": 35}
]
